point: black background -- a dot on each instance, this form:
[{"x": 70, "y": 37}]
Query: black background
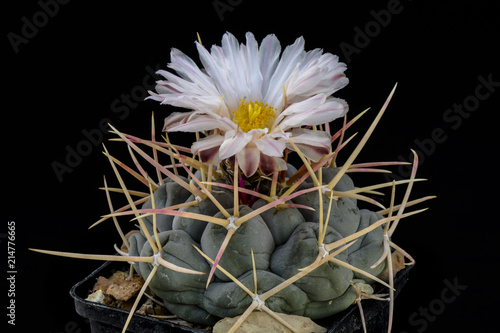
[{"x": 77, "y": 69}]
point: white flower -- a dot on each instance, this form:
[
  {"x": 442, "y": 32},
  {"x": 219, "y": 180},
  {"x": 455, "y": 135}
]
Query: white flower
[{"x": 251, "y": 100}]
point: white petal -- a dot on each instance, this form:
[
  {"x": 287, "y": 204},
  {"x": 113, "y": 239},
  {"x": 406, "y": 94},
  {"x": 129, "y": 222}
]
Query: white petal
[
  {"x": 308, "y": 136},
  {"x": 270, "y": 146},
  {"x": 154, "y": 96},
  {"x": 174, "y": 119},
  {"x": 195, "y": 121},
  {"x": 256, "y": 132},
  {"x": 313, "y": 144},
  {"x": 208, "y": 148},
  {"x": 235, "y": 66},
  {"x": 248, "y": 160},
  {"x": 269, "y": 52},
  {"x": 306, "y": 113},
  {"x": 200, "y": 123},
  {"x": 310, "y": 57},
  {"x": 188, "y": 69},
  {"x": 175, "y": 84},
  {"x": 186, "y": 94},
  {"x": 278, "y": 134},
  {"x": 233, "y": 143},
  {"x": 298, "y": 108},
  {"x": 314, "y": 153},
  {"x": 191, "y": 102},
  {"x": 250, "y": 56},
  {"x": 224, "y": 124},
  {"x": 320, "y": 73},
  {"x": 207, "y": 143},
  {"x": 215, "y": 65},
  {"x": 227, "y": 124},
  {"x": 292, "y": 55}
]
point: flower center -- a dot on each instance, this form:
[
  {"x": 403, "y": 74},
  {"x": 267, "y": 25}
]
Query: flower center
[{"x": 251, "y": 115}]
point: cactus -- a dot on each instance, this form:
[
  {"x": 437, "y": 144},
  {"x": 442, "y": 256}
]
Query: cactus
[{"x": 231, "y": 226}]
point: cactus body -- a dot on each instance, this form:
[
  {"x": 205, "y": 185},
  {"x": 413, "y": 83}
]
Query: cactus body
[{"x": 283, "y": 241}]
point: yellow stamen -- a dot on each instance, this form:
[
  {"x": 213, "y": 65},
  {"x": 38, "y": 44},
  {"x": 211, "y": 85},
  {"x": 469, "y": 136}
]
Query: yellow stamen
[{"x": 252, "y": 115}]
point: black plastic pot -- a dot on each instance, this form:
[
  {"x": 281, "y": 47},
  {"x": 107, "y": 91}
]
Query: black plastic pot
[{"x": 107, "y": 319}]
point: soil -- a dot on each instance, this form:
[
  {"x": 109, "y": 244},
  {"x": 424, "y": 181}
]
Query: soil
[{"x": 120, "y": 290}]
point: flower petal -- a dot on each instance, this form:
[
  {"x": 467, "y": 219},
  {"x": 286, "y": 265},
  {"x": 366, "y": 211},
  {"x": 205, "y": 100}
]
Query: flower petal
[
  {"x": 292, "y": 55},
  {"x": 318, "y": 74},
  {"x": 216, "y": 66},
  {"x": 307, "y": 136},
  {"x": 198, "y": 124},
  {"x": 181, "y": 93},
  {"x": 269, "y": 52},
  {"x": 208, "y": 148},
  {"x": 233, "y": 143},
  {"x": 187, "y": 69},
  {"x": 271, "y": 164},
  {"x": 313, "y": 111},
  {"x": 235, "y": 67},
  {"x": 176, "y": 84},
  {"x": 250, "y": 57},
  {"x": 248, "y": 160},
  {"x": 298, "y": 108},
  {"x": 174, "y": 119},
  {"x": 313, "y": 144},
  {"x": 271, "y": 146}
]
